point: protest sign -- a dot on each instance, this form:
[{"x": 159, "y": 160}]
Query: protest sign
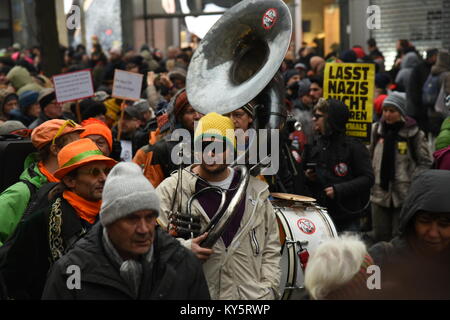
[
  {"x": 127, "y": 85},
  {"x": 353, "y": 84},
  {"x": 73, "y": 86}
]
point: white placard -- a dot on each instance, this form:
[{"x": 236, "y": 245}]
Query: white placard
[
  {"x": 127, "y": 85},
  {"x": 73, "y": 86}
]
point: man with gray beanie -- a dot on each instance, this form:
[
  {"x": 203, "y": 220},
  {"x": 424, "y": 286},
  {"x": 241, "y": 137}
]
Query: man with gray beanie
[
  {"x": 399, "y": 152},
  {"x": 126, "y": 255}
]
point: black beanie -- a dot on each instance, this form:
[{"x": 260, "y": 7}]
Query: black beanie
[
  {"x": 89, "y": 109},
  {"x": 46, "y": 96}
]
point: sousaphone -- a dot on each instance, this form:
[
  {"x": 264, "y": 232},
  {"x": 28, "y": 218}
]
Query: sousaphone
[
  {"x": 238, "y": 59},
  {"x": 236, "y": 63}
]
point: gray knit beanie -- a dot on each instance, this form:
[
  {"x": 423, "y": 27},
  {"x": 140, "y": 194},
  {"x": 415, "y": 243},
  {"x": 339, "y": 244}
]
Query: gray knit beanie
[
  {"x": 397, "y": 100},
  {"x": 126, "y": 190}
]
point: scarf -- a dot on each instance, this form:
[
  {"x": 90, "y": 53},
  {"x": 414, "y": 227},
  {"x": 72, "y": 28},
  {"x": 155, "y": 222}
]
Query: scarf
[
  {"x": 50, "y": 177},
  {"x": 387, "y": 172},
  {"x": 86, "y": 210},
  {"x": 130, "y": 270}
]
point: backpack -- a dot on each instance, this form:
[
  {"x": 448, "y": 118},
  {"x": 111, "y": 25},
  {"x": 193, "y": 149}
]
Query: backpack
[
  {"x": 40, "y": 199},
  {"x": 430, "y": 90}
]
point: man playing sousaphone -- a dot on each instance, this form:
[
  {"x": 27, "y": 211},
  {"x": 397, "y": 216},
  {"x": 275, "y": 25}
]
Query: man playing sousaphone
[{"x": 244, "y": 263}]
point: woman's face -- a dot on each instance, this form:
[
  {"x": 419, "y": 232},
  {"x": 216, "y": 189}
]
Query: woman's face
[
  {"x": 432, "y": 231},
  {"x": 391, "y": 115}
]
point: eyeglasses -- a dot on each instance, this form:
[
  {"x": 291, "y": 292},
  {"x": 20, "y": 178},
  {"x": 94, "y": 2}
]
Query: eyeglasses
[
  {"x": 317, "y": 116},
  {"x": 96, "y": 172}
]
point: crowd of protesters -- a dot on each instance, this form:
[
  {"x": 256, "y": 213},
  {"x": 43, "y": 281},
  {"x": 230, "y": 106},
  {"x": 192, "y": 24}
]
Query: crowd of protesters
[{"x": 370, "y": 190}]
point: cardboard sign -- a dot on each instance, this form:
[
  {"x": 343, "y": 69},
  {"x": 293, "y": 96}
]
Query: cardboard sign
[
  {"x": 73, "y": 86},
  {"x": 353, "y": 84},
  {"x": 127, "y": 85}
]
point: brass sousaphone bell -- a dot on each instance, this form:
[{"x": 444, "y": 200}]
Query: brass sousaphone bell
[
  {"x": 238, "y": 59},
  {"x": 237, "y": 62}
]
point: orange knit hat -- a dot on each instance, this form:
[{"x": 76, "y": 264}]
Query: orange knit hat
[{"x": 77, "y": 154}]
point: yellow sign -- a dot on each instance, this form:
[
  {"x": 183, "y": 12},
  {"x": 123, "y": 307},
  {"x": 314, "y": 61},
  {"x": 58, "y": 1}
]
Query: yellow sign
[{"x": 353, "y": 84}]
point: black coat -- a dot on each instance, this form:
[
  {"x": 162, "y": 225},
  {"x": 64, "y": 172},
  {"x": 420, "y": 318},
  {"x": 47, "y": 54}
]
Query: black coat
[
  {"x": 26, "y": 262},
  {"x": 406, "y": 273},
  {"x": 174, "y": 274},
  {"x": 415, "y": 107},
  {"x": 343, "y": 163}
]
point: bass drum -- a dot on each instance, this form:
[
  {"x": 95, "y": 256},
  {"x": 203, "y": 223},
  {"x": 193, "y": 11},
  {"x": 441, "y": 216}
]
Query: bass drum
[{"x": 303, "y": 227}]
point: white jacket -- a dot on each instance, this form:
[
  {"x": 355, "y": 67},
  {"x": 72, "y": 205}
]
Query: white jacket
[{"x": 249, "y": 268}]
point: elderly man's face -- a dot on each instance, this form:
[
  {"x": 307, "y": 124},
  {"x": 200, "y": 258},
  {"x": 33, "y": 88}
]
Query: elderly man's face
[
  {"x": 134, "y": 234},
  {"x": 101, "y": 143}
]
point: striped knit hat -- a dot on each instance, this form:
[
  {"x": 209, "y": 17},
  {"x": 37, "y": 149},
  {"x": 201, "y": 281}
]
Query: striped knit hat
[{"x": 396, "y": 100}]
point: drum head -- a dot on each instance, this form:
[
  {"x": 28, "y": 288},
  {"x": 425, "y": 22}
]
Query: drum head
[{"x": 293, "y": 197}]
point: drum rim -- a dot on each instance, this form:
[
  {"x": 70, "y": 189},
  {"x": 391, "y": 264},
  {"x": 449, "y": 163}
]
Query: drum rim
[
  {"x": 292, "y": 270},
  {"x": 292, "y": 197}
]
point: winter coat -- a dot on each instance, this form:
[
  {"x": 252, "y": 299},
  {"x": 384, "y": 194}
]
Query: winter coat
[
  {"x": 342, "y": 163},
  {"x": 415, "y": 107},
  {"x": 174, "y": 273},
  {"x": 250, "y": 267},
  {"x": 14, "y": 200},
  {"x": 27, "y": 261},
  {"x": 405, "y": 274},
  {"x": 411, "y": 158},
  {"x": 409, "y": 62},
  {"x": 443, "y": 139},
  {"x": 21, "y": 80}
]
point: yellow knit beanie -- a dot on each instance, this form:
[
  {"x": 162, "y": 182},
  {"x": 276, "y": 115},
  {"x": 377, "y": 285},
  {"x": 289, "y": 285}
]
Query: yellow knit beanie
[
  {"x": 217, "y": 126},
  {"x": 112, "y": 109}
]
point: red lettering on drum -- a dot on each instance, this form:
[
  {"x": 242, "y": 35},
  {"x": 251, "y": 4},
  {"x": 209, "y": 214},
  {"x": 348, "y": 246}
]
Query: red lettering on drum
[{"x": 306, "y": 226}]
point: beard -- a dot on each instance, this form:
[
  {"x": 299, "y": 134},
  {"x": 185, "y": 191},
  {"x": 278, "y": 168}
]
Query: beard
[{"x": 214, "y": 169}]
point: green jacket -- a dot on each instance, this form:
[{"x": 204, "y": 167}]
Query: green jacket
[
  {"x": 14, "y": 200},
  {"x": 443, "y": 139}
]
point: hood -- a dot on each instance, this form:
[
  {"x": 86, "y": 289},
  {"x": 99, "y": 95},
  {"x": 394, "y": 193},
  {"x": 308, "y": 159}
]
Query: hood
[
  {"x": 31, "y": 172},
  {"x": 410, "y": 60},
  {"x": 19, "y": 77},
  {"x": 439, "y": 154},
  {"x": 443, "y": 139},
  {"x": 338, "y": 115},
  {"x": 429, "y": 192}
]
